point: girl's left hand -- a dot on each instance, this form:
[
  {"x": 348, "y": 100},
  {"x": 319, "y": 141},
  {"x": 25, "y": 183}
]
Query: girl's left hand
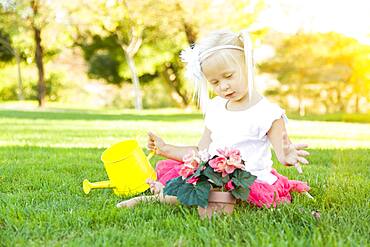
[{"x": 294, "y": 153}]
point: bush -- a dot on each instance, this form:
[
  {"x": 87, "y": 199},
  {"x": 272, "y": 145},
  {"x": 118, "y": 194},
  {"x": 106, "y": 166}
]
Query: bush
[{"x": 54, "y": 87}]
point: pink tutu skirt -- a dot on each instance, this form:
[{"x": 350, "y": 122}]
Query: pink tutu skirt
[{"x": 261, "y": 193}]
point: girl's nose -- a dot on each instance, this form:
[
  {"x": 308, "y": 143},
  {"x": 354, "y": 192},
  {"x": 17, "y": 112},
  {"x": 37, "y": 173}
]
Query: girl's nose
[{"x": 224, "y": 85}]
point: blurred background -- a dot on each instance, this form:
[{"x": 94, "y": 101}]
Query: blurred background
[{"x": 312, "y": 57}]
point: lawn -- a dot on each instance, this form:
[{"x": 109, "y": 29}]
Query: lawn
[{"x": 45, "y": 155}]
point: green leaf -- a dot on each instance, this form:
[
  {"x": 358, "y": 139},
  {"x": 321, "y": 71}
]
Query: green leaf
[
  {"x": 199, "y": 170},
  {"x": 189, "y": 194},
  {"x": 214, "y": 176},
  {"x": 173, "y": 186},
  {"x": 225, "y": 179},
  {"x": 243, "y": 178},
  {"x": 241, "y": 193}
]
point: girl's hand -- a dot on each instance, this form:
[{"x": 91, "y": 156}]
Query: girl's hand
[
  {"x": 155, "y": 143},
  {"x": 294, "y": 153}
]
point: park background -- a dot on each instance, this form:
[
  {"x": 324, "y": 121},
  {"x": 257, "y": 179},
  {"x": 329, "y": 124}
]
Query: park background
[{"x": 78, "y": 76}]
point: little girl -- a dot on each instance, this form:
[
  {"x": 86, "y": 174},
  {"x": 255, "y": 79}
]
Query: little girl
[{"x": 237, "y": 117}]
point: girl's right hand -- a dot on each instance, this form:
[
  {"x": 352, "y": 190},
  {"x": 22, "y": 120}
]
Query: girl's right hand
[{"x": 155, "y": 143}]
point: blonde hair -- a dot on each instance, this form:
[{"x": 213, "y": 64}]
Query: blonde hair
[
  {"x": 221, "y": 41},
  {"x": 219, "y": 37}
]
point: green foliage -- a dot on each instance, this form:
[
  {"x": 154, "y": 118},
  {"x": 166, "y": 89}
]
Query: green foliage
[
  {"x": 5, "y": 45},
  {"x": 241, "y": 193},
  {"x": 157, "y": 94},
  {"x": 54, "y": 88},
  {"x": 195, "y": 195},
  {"x": 103, "y": 66},
  {"x": 215, "y": 177},
  {"x": 200, "y": 169},
  {"x": 188, "y": 194},
  {"x": 173, "y": 186},
  {"x": 103, "y": 55},
  {"x": 326, "y": 68},
  {"x": 243, "y": 178}
]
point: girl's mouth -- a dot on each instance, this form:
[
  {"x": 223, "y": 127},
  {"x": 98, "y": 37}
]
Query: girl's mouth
[{"x": 229, "y": 95}]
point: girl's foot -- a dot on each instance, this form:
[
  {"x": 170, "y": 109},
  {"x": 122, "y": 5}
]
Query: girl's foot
[
  {"x": 308, "y": 195},
  {"x": 155, "y": 187},
  {"x": 128, "y": 203}
]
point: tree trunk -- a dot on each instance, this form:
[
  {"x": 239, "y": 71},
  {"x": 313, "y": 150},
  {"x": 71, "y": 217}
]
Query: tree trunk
[
  {"x": 357, "y": 105},
  {"x": 191, "y": 34},
  {"x": 325, "y": 106},
  {"x": 301, "y": 107},
  {"x": 135, "y": 80},
  {"x": 20, "y": 84},
  {"x": 41, "y": 88},
  {"x": 174, "y": 83}
]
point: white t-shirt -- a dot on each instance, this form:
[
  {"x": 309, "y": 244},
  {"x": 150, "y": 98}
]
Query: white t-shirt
[{"x": 245, "y": 130}]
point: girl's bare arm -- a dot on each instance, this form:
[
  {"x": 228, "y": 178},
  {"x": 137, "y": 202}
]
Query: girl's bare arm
[
  {"x": 177, "y": 152},
  {"x": 286, "y": 152}
]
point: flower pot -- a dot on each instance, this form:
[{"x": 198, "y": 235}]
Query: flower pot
[{"x": 218, "y": 202}]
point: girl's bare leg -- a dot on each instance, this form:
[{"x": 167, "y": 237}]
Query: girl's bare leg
[
  {"x": 157, "y": 198},
  {"x": 309, "y": 195},
  {"x": 157, "y": 189}
]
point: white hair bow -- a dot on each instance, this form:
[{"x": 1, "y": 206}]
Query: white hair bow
[{"x": 193, "y": 71}]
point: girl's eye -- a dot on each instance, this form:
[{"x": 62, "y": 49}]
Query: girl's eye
[
  {"x": 214, "y": 82},
  {"x": 228, "y": 75}
]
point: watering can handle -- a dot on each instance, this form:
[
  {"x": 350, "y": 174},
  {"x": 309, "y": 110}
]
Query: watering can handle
[{"x": 151, "y": 154}]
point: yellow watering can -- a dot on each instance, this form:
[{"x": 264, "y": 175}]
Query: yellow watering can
[{"x": 127, "y": 168}]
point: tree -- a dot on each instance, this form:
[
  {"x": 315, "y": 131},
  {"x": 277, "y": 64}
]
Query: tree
[
  {"x": 39, "y": 53},
  {"x": 120, "y": 25},
  {"x": 321, "y": 66},
  {"x": 162, "y": 29},
  {"x": 32, "y": 15}
]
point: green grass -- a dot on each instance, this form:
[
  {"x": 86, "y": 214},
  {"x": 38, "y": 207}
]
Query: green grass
[
  {"x": 335, "y": 117},
  {"x": 45, "y": 155}
]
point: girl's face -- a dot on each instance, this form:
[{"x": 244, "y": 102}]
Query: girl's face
[{"x": 227, "y": 76}]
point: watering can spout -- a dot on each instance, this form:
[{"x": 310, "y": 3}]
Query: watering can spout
[
  {"x": 87, "y": 186},
  {"x": 127, "y": 167}
]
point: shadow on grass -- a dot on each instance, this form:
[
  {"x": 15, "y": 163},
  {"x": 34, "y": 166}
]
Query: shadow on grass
[{"x": 75, "y": 115}]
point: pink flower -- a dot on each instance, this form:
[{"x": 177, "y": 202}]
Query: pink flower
[
  {"x": 234, "y": 152},
  {"x": 192, "y": 180},
  {"x": 223, "y": 152},
  {"x": 229, "y": 185},
  {"x": 237, "y": 163},
  {"x": 229, "y": 169},
  {"x": 228, "y": 152},
  {"x": 235, "y": 157},
  {"x": 188, "y": 169},
  {"x": 186, "y": 172},
  {"x": 231, "y": 166},
  {"x": 218, "y": 164}
]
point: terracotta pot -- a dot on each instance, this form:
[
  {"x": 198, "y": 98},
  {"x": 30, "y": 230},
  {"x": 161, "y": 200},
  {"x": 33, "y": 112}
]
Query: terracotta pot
[{"x": 218, "y": 202}]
